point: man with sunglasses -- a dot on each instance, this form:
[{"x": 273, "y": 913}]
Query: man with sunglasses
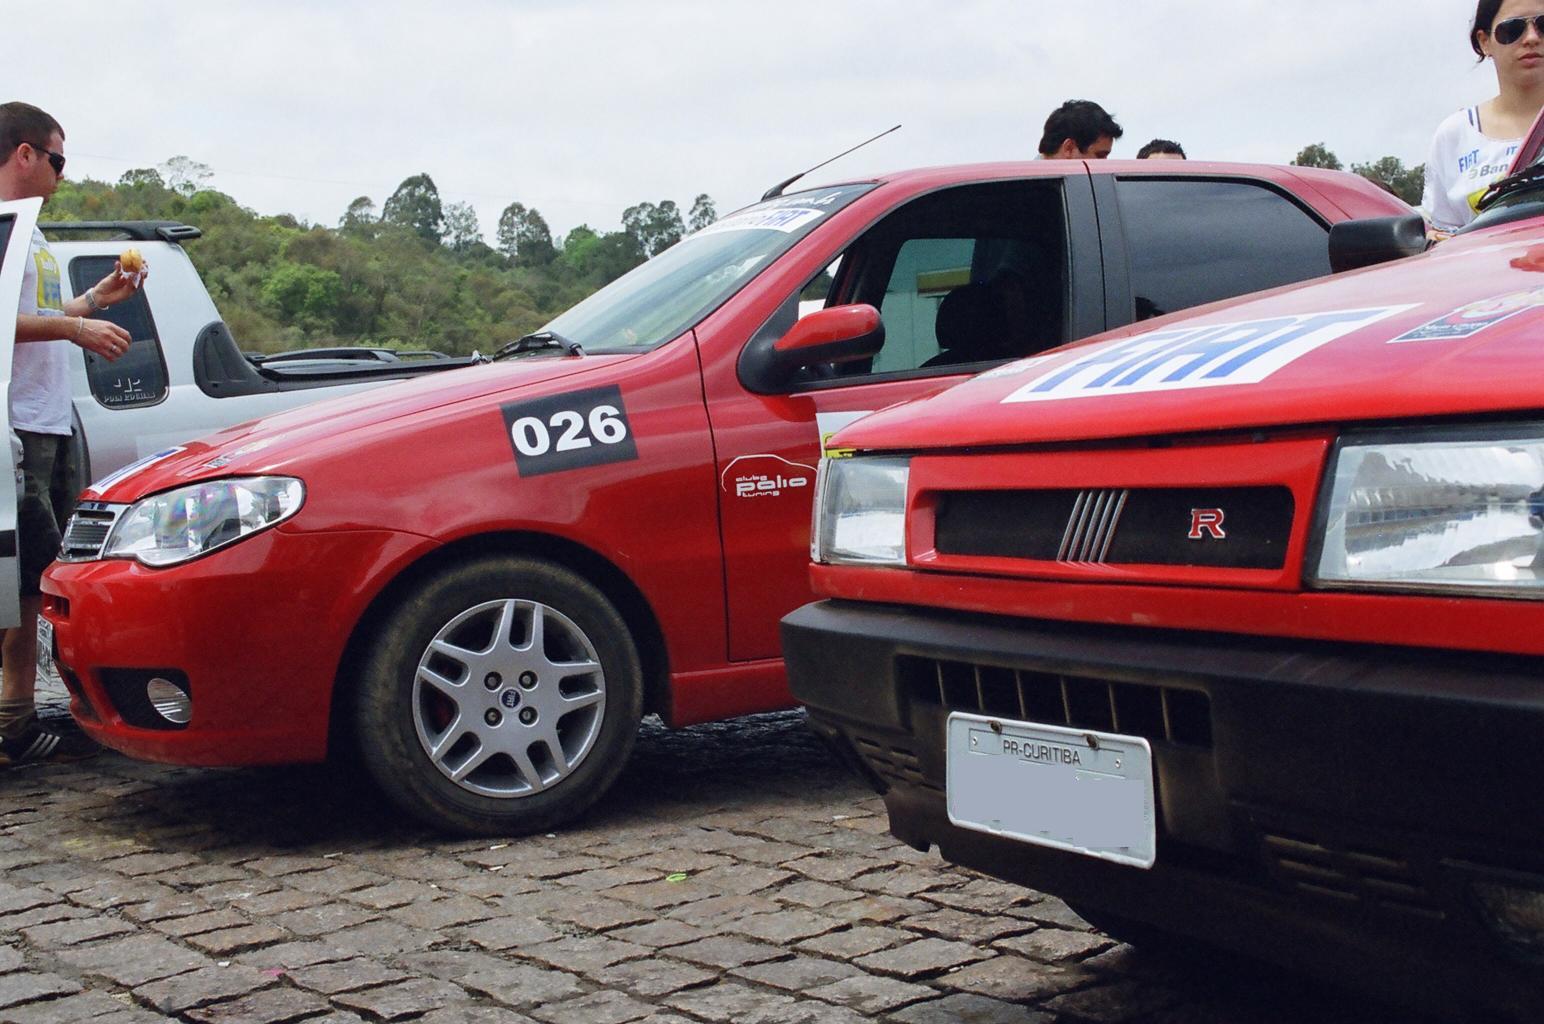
[
  {"x": 31, "y": 166},
  {"x": 1475, "y": 146}
]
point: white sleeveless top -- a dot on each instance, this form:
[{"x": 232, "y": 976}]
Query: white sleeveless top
[{"x": 1463, "y": 163}]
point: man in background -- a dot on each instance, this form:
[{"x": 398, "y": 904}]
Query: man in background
[
  {"x": 31, "y": 166},
  {"x": 1161, "y": 149},
  {"x": 1079, "y": 130}
]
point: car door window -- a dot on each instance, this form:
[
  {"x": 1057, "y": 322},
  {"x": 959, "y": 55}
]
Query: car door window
[
  {"x": 1198, "y": 240},
  {"x": 963, "y": 277},
  {"x": 138, "y": 377}
]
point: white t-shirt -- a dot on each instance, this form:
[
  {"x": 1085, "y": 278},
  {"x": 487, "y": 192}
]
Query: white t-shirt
[
  {"x": 40, "y": 370},
  {"x": 1463, "y": 163}
]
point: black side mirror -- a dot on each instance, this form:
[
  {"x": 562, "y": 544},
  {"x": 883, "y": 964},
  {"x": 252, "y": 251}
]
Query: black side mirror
[
  {"x": 837, "y": 334},
  {"x": 1372, "y": 240}
]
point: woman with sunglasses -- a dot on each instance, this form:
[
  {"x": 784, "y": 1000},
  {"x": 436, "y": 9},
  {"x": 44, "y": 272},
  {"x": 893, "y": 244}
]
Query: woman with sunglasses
[{"x": 1475, "y": 146}]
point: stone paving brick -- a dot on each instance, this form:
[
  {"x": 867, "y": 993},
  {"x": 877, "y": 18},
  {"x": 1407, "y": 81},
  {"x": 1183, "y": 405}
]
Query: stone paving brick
[
  {"x": 322, "y": 919},
  {"x": 335, "y": 880},
  {"x": 584, "y": 953},
  {"x": 520, "y": 985},
  {"x": 815, "y": 894},
  {"x": 595, "y": 1008},
  {"x": 714, "y": 912},
  {"x": 232, "y": 890},
  {"x": 151, "y": 863},
  {"x": 653, "y": 978},
  {"x": 402, "y": 999},
  {"x": 197, "y": 924},
  {"x": 920, "y": 957},
  {"x": 663, "y": 893},
  {"x": 11, "y": 959},
  {"x": 599, "y": 914},
  {"x": 726, "y": 952},
  {"x": 1056, "y": 945},
  {"x": 799, "y": 974},
  {"x": 506, "y": 933},
  {"x": 17, "y": 898},
  {"x": 834, "y": 868},
  {"x": 561, "y": 866},
  {"x": 278, "y": 901},
  {"x": 60, "y": 911},
  {"x": 728, "y": 1001},
  {"x": 269, "y": 1006},
  {"x": 441, "y": 913},
  {"x": 16, "y": 989},
  {"x": 1051, "y": 911},
  {"x": 75, "y": 933},
  {"x": 856, "y": 941},
  {"x": 288, "y": 955},
  {"x": 383, "y": 937},
  {"x": 465, "y": 1014},
  {"x": 658, "y": 934},
  {"x": 601, "y": 879},
  {"x": 344, "y": 975},
  {"x": 1015, "y": 979},
  {"x": 117, "y": 892},
  {"x": 742, "y": 879},
  {"x": 286, "y": 864},
  {"x": 979, "y": 929},
  {"x": 785, "y": 926},
  {"x": 969, "y": 1009},
  {"x": 235, "y": 940},
  {"x": 875, "y": 909},
  {"x": 133, "y": 960},
  {"x": 175, "y": 905},
  {"x": 669, "y": 862},
  {"x": 206, "y": 985},
  {"x": 868, "y": 993},
  {"x": 395, "y": 893}
]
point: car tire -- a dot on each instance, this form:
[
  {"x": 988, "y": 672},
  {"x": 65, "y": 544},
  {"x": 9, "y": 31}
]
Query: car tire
[{"x": 500, "y": 697}]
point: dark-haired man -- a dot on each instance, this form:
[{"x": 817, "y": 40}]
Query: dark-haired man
[
  {"x": 31, "y": 166},
  {"x": 1161, "y": 149},
  {"x": 1079, "y": 130}
]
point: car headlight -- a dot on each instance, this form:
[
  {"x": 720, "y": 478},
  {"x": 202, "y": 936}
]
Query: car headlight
[
  {"x": 175, "y": 526},
  {"x": 860, "y": 511},
  {"x": 1465, "y": 513}
]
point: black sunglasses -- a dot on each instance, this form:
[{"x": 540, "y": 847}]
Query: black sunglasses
[
  {"x": 1510, "y": 31},
  {"x": 55, "y": 160}
]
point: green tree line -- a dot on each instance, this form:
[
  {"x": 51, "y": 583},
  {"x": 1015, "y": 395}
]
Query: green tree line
[{"x": 414, "y": 274}]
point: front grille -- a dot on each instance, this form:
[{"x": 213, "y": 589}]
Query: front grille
[
  {"x": 1222, "y": 527},
  {"x": 1349, "y": 876},
  {"x": 87, "y": 531},
  {"x": 1157, "y": 713}
]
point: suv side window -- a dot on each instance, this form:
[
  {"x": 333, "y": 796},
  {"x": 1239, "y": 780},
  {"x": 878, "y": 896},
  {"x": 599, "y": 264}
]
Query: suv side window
[
  {"x": 1195, "y": 240},
  {"x": 138, "y": 377},
  {"x": 970, "y": 275}
]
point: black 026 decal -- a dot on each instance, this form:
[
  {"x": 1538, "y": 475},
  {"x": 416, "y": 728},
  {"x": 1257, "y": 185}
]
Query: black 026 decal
[{"x": 569, "y": 431}]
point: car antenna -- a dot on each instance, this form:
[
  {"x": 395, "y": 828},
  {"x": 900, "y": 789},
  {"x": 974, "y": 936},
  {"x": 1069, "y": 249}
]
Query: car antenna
[{"x": 777, "y": 190}]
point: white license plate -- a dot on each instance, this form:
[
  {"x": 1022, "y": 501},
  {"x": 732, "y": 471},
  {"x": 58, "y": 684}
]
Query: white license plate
[
  {"x": 45, "y": 649},
  {"x": 1071, "y": 789}
]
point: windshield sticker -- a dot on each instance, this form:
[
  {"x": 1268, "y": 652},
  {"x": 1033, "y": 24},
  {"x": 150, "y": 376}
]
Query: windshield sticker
[
  {"x": 1184, "y": 357},
  {"x": 786, "y": 219},
  {"x": 1474, "y": 317},
  {"x": 101, "y": 486},
  {"x": 765, "y": 476},
  {"x": 560, "y": 432},
  {"x": 828, "y": 423}
]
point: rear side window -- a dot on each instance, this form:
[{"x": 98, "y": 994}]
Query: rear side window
[
  {"x": 1193, "y": 241},
  {"x": 138, "y": 377}
]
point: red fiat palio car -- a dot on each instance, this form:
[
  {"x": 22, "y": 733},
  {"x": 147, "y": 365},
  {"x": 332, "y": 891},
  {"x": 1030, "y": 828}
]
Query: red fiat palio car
[
  {"x": 1231, "y": 625},
  {"x": 483, "y": 580}
]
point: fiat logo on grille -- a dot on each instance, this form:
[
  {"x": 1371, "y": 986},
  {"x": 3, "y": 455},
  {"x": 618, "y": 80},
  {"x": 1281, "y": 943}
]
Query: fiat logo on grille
[{"x": 1206, "y": 522}]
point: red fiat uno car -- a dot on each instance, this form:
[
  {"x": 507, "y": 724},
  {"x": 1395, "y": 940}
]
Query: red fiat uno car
[{"x": 1229, "y": 625}]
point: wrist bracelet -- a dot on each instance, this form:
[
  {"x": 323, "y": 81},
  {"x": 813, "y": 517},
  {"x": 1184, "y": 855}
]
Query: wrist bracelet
[
  {"x": 80, "y": 322},
  {"x": 91, "y": 301}
]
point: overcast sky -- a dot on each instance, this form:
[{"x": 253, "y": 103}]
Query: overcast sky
[{"x": 581, "y": 108}]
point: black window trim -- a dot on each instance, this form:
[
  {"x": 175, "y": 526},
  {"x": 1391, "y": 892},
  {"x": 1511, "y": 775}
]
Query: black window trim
[{"x": 155, "y": 329}]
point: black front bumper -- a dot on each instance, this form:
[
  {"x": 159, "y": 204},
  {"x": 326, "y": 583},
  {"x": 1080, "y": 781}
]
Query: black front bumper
[{"x": 1333, "y": 807}]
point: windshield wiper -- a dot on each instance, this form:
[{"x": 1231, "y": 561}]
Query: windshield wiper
[
  {"x": 1524, "y": 179},
  {"x": 537, "y": 342}
]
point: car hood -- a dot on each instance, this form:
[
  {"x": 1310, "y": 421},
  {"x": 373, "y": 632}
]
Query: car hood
[
  {"x": 1458, "y": 330},
  {"x": 283, "y": 442}
]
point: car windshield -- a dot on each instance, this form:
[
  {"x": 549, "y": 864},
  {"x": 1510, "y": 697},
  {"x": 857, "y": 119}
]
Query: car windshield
[{"x": 674, "y": 290}]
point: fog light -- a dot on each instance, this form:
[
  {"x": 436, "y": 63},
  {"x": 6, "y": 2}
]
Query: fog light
[
  {"x": 169, "y": 700},
  {"x": 1515, "y": 912}
]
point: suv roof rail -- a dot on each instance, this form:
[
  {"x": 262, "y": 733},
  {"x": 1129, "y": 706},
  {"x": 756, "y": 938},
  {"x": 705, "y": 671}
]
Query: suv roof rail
[{"x": 132, "y": 230}]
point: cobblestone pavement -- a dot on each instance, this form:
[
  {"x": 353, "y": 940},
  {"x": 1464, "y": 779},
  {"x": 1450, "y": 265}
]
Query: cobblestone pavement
[{"x": 735, "y": 874}]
